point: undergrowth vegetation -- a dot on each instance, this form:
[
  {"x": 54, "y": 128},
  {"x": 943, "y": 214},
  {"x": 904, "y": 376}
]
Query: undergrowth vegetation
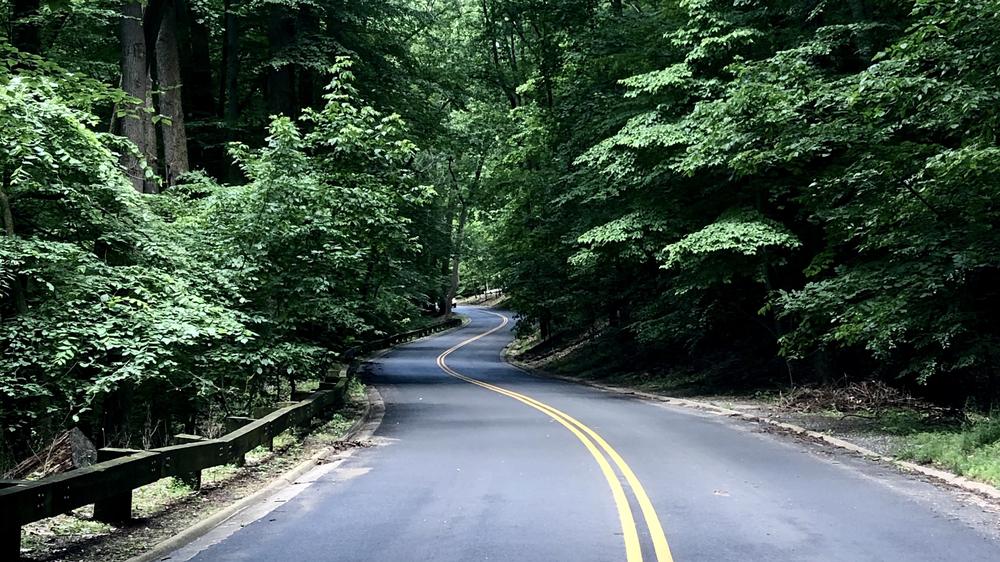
[
  {"x": 972, "y": 449},
  {"x": 138, "y": 316}
]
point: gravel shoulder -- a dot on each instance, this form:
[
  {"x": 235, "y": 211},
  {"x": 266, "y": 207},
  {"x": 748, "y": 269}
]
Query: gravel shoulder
[{"x": 866, "y": 431}]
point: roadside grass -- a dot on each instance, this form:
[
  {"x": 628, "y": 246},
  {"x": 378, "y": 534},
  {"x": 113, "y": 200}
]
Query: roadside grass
[
  {"x": 972, "y": 450},
  {"x": 968, "y": 447}
]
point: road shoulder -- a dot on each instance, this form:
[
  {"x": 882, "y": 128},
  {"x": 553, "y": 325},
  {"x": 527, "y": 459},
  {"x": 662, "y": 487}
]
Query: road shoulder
[
  {"x": 936, "y": 475},
  {"x": 216, "y": 528},
  {"x": 219, "y": 526}
]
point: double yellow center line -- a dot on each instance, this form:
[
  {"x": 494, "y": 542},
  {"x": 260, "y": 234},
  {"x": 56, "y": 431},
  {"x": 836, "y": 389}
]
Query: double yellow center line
[{"x": 595, "y": 444}]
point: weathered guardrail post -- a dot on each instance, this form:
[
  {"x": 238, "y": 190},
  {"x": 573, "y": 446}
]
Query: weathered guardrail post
[
  {"x": 117, "y": 508},
  {"x": 10, "y": 542},
  {"x": 261, "y": 411},
  {"x": 10, "y": 532},
  {"x": 191, "y": 479},
  {"x": 232, "y": 423}
]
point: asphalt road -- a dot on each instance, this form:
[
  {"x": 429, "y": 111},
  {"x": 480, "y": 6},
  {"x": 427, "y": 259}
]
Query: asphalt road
[{"x": 476, "y": 460}]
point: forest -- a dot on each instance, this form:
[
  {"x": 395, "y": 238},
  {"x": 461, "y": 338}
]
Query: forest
[{"x": 204, "y": 202}]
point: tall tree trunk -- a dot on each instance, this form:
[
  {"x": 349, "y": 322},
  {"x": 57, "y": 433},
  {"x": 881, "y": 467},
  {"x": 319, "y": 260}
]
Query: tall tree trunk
[
  {"x": 860, "y": 15},
  {"x": 229, "y": 103},
  {"x": 7, "y": 218},
  {"x": 196, "y": 63},
  {"x": 548, "y": 65},
  {"x": 138, "y": 124},
  {"x": 444, "y": 264},
  {"x": 168, "y": 75},
  {"x": 368, "y": 288},
  {"x": 307, "y": 26},
  {"x": 779, "y": 327},
  {"x": 545, "y": 325},
  {"x": 458, "y": 242},
  {"x": 151, "y": 149},
  {"x": 280, "y": 77},
  {"x": 456, "y": 254},
  {"x": 451, "y": 262},
  {"x": 26, "y": 32},
  {"x": 512, "y": 96},
  {"x": 307, "y": 91}
]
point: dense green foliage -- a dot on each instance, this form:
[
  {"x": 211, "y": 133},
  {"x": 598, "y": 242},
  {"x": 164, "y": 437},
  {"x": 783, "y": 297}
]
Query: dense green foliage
[
  {"x": 800, "y": 191},
  {"x": 135, "y": 316}
]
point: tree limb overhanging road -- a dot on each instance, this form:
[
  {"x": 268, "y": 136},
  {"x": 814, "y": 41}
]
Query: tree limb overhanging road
[{"x": 477, "y": 460}]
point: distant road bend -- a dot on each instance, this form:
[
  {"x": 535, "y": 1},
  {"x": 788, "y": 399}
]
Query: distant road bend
[{"x": 477, "y": 460}]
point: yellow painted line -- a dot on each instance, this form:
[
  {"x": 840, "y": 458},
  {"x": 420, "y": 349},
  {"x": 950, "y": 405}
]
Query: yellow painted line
[{"x": 632, "y": 549}]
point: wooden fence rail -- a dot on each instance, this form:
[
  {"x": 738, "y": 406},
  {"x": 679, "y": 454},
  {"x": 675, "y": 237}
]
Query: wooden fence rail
[{"x": 108, "y": 483}]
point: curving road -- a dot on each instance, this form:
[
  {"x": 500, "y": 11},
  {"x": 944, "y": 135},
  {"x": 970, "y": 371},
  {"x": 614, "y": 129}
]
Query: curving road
[{"x": 476, "y": 460}]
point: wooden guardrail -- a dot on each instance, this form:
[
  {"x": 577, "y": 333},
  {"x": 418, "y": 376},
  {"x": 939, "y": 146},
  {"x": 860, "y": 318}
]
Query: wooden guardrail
[{"x": 108, "y": 483}]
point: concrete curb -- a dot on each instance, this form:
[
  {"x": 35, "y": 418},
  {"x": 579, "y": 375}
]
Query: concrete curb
[
  {"x": 943, "y": 476},
  {"x": 162, "y": 549}
]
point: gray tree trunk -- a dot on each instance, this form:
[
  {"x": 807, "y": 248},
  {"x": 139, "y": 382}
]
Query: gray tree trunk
[
  {"x": 149, "y": 148},
  {"x": 168, "y": 74},
  {"x": 193, "y": 39},
  {"x": 7, "y": 218},
  {"x": 280, "y": 78},
  {"x": 458, "y": 242},
  {"x": 456, "y": 256},
  {"x": 229, "y": 102},
  {"x": 137, "y": 125},
  {"x": 229, "y": 94}
]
